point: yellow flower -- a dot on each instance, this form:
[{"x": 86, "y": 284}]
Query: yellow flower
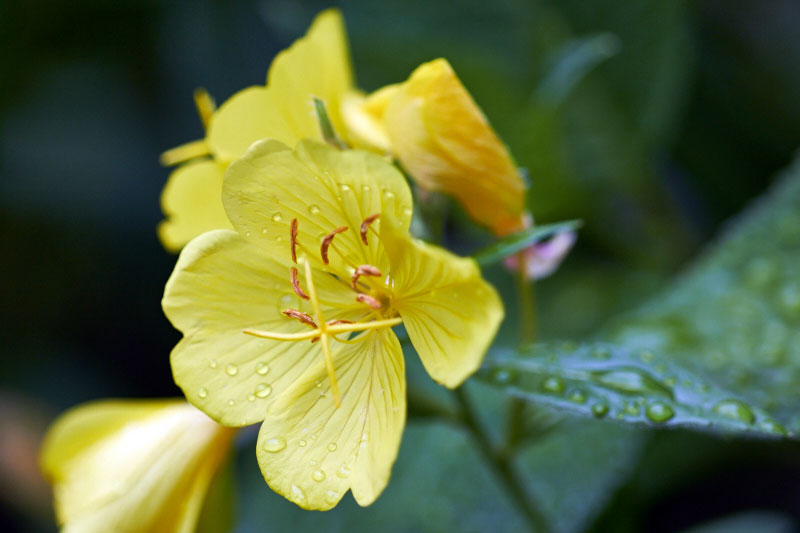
[
  {"x": 315, "y": 65},
  {"x": 440, "y": 136},
  {"x": 132, "y": 465},
  {"x": 287, "y": 320}
]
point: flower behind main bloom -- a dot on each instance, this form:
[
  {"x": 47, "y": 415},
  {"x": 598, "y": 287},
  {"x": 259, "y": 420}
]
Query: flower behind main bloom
[
  {"x": 317, "y": 65},
  {"x": 132, "y": 465},
  {"x": 288, "y": 319}
]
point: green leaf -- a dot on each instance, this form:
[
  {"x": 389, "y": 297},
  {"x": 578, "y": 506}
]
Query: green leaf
[
  {"x": 602, "y": 380},
  {"x": 521, "y": 240},
  {"x": 717, "y": 351}
]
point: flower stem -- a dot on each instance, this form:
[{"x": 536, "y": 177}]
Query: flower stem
[{"x": 500, "y": 464}]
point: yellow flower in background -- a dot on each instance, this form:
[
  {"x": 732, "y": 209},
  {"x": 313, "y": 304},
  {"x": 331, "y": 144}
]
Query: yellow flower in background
[
  {"x": 315, "y": 65},
  {"x": 440, "y": 136},
  {"x": 287, "y": 320},
  {"x": 132, "y": 465}
]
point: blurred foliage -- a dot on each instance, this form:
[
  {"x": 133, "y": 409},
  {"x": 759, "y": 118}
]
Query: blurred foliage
[{"x": 683, "y": 114}]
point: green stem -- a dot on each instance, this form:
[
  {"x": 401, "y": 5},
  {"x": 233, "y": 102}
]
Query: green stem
[{"x": 500, "y": 464}]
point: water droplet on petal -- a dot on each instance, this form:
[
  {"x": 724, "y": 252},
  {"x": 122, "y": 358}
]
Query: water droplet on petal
[
  {"x": 274, "y": 444},
  {"x": 735, "y": 410},
  {"x": 231, "y": 402},
  {"x": 659, "y": 412},
  {"x": 262, "y": 369},
  {"x": 264, "y": 231},
  {"x": 301, "y": 443},
  {"x": 332, "y": 447},
  {"x": 251, "y": 397},
  {"x": 297, "y": 494},
  {"x": 276, "y": 217},
  {"x": 231, "y": 369},
  {"x": 331, "y": 497},
  {"x": 263, "y": 390},
  {"x": 318, "y": 475},
  {"x": 313, "y": 209},
  {"x": 202, "y": 393},
  {"x": 344, "y": 471},
  {"x": 344, "y": 187},
  {"x": 212, "y": 363},
  {"x": 247, "y": 233}
]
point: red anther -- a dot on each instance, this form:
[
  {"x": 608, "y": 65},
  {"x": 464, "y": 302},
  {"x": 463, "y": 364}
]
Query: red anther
[
  {"x": 364, "y": 270},
  {"x": 293, "y": 239},
  {"x": 301, "y": 316},
  {"x": 296, "y": 285},
  {"x": 365, "y": 227},
  {"x": 369, "y": 300},
  {"x": 326, "y": 242}
]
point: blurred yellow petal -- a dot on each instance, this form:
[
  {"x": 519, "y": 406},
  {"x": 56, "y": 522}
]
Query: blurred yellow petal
[
  {"x": 132, "y": 465},
  {"x": 320, "y": 186},
  {"x": 221, "y": 285},
  {"x": 444, "y": 141},
  {"x": 312, "y": 453},
  {"x": 364, "y": 118},
  {"x": 450, "y": 313},
  {"x": 191, "y": 202}
]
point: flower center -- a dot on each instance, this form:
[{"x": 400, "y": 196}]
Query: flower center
[{"x": 363, "y": 282}]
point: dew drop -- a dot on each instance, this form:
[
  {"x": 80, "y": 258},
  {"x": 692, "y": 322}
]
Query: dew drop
[
  {"x": 274, "y": 444},
  {"x": 313, "y": 209},
  {"x": 600, "y": 410},
  {"x": 735, "y": 410},
  {"x": 332, "y": 447},
  {"x": 212, "y": 363},
  {"x": 264, "y": 231},
  {"x": 503, "y": 376},
  {"x": 202, "y": 393},
  {"x": 344, "y": 187},
  {"x": 631, "y": 380},
  {"x": 331, "y": 497},
  {"x": 344, "y": 471},
  {"x": 659, "y": 412},
  {"x": 553, "y": 384},
  {"x": 631, "y": 409},
  {"x": 231, "y": 369},
  {"x": 231, "y": 402},
  {"x": 577, "y": 397},
  {"x": 263, "y": 390},
  {"x": 297, "y": 494},
  {"x": 388, "y": 195},
  {"x": 647, "y": 357},
  {"x": 301, "y": 443},
  {"x": 407, "y": 211},
  {"x": 251, "y": 397},
  {"x": 772, "y": 427},
  {"x": 318, "y": 475},
  {"x": 276, "y": 217},
  {"x": 247, "y": 233},
  {"x": 365, "y": 188},
  {"x": 262, "y": 369}
]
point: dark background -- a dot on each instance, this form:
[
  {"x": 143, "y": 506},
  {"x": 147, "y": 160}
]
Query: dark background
[{"x": 654, "y": 149}]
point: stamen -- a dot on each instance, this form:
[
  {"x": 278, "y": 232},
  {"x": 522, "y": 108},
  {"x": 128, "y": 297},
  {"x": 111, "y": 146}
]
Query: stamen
[
  {"x": 365, "y": 227},
  {"x": 301, "y": 316},
  {"x": 293, "y": 239},
  {"x": 326, "y": 242},
  {"x": 296, "y": 285},
  {"x": 335, "y": 322},
  {"x": 369, "y": 300},
  {"x": 332, "y": 330},
  {"x": 365, "y": 270},
  {"x": 184, "y": 152}
]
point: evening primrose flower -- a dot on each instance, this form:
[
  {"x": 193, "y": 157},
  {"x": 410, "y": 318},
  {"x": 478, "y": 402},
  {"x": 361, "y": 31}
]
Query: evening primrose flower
[
  {"x": 440, "y": 136},
  {"x": 287, "y": 320},
  {"x": 316, "y": 65},
  {"x": 132, "y": 466}
]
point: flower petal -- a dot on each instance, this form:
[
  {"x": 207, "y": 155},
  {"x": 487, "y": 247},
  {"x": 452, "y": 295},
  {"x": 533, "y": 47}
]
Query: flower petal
[
  {"x": 312, "y": 452},
  {"x": 315, "y": 65},
  {"x": 192, "y": 202},
  {"x": 323, "y": 188},
  {"x": 450, "y": 312},
  {"x": 445, "y": 142},
  {"x": 132, "y": 465},
  {"x": 223, "y": 284}
]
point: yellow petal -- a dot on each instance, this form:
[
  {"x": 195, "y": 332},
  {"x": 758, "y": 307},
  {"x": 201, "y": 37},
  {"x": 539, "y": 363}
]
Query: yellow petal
[
  {"x": 364, "y": 118},
  {"x": 451, "y": 314},
  {"x": 221, "y": 285},
  {"x": 312, "y": 452},
  {"x": 132, "y": 465},
  {"x": 192, "y": 202},
  {"x": 315, "y": 65},
  {"x": 323, "y": 188},
  {"x": 445, "y": 142}
]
